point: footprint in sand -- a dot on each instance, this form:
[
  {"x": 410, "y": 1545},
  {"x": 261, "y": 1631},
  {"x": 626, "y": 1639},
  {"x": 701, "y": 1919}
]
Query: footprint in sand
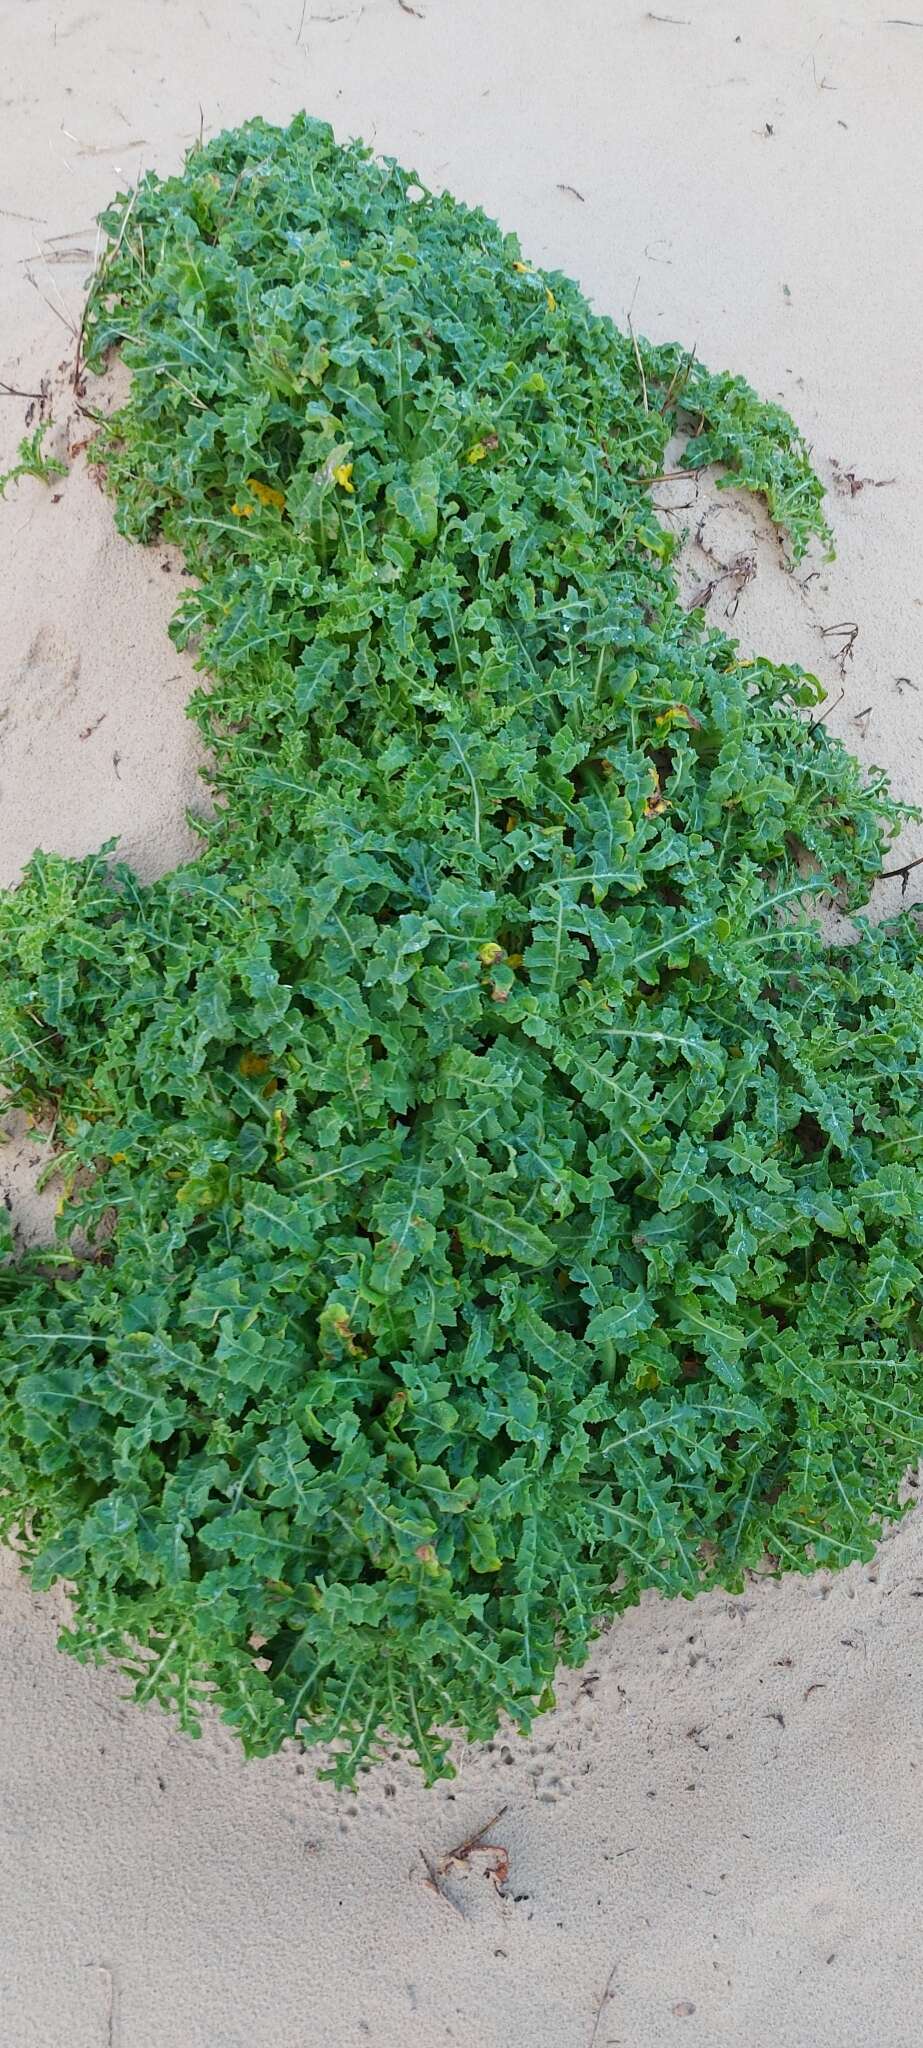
[{"x": 44, "y": 685}]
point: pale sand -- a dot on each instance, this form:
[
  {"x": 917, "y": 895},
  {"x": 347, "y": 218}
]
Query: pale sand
[{"x": 720, "y": 1820}]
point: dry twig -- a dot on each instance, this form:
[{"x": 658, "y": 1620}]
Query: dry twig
[
  {"x": 634, "y": 343},
  {"x": 826, "y": 711},
  {"x": 890, "y": 874},
  {"x": 847, "y": 631},
  {"x": 432, "y": 1883},
  {"x": 64, "y": 317},
  {"x": 846, "y": 480},
  {"x": 605, "y": 2000}
]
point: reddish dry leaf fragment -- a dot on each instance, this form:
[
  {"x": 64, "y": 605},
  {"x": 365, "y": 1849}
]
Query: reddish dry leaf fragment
[{"x": 489, "y": 1860}]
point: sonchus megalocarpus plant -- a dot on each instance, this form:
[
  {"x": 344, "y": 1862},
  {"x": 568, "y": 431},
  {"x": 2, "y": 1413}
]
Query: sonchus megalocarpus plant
[{"x": 493, "y": 1197}]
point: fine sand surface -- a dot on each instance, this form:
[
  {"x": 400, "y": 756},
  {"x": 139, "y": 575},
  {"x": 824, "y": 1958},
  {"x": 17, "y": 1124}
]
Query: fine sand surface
[{"x": 715, "y": 1837}]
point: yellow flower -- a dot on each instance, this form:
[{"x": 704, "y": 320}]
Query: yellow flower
[
  {"x": 343, "y": 475},
  {"x": 476, "y": 453},
  {"x": 678, "y": 714},
  {"x": 552, "y": 301},
  {"x": 522, "y": 268},
  {"x": 243, "y": 511},
  {"x": 266, "y": 494},
  {"x": 119, "y": 1158}
]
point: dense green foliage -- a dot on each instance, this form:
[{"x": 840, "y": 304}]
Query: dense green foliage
[{"x": 494, "y": 1198}]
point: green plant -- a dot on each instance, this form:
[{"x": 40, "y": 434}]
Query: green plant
[
  {"x": 495, "y": 1198},
  {"x": 32, "y": 461}
]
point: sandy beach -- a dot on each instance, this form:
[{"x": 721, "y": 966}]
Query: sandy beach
[{"x": 714, "y": 1837}]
